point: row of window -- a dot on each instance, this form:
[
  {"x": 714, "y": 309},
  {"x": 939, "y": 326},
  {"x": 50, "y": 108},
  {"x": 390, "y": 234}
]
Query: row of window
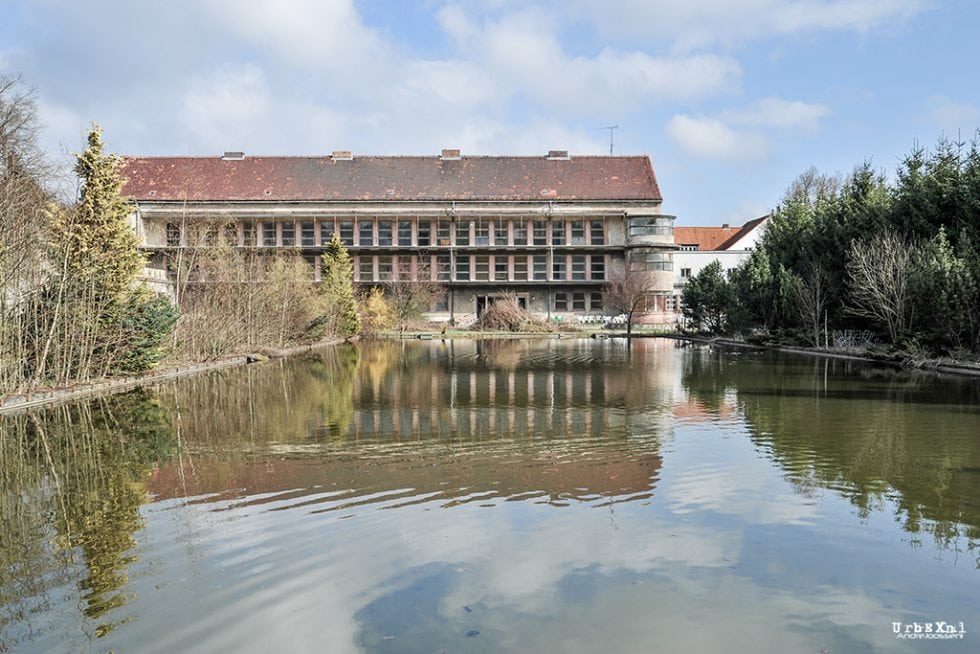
[
  {"x": 368, "y": 232},
  {"x": 578, "y": 302},
  {"x": 643, "y": 260},
  {"x": 651, "y": 226},
  {"x": 482, "y": 268},
  {"x": 686, "y": 272}
]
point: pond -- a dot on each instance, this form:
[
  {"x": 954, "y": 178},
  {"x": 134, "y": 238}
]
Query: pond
[{"x": 541, "y": 495}]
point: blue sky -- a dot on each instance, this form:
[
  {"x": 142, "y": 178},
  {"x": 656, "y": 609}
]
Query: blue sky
[{"x": 732, "y": 99}]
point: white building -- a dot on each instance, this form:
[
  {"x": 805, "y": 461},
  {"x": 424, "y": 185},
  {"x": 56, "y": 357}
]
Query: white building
[{"x": 699, "y": 246}]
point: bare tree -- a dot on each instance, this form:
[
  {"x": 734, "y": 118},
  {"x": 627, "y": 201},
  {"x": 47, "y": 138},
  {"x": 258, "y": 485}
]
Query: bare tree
[
  {"x": 812, "y": 187},
  {"x": 233, "y": 297},
  {"x": 811, "y": 298},
  {"x": 629, "y": 293},
  {"x": 879, "y": 272},
  {"x": 411, "y": 293},
  {"x": 23, "y": 230}
]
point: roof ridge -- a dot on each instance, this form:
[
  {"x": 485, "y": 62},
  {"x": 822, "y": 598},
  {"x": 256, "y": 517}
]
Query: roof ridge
[
  {"x": 391, "y": 177},
  {"x": 390, "y": 156}
]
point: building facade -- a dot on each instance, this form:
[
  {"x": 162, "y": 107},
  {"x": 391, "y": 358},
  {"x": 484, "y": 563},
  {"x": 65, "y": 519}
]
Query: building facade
[
  {"x": 699, "y": 246},
  {"x": 551, "y": 230}
]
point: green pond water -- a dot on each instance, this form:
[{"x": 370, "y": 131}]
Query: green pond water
[{"x": 500, "y": 496}]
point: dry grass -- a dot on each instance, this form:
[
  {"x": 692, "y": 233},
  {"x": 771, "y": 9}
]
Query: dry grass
[{"x": 506, "y": 315}]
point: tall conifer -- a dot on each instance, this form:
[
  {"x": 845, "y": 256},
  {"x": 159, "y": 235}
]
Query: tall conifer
[
  {"x": 95, "y": 239},
  {"x": 338, "y": 286}
]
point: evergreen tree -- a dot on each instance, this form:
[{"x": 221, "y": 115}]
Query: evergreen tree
[
  {"x": 96, "y": 243},
  {"x": 338, "y": 286},
  {"x": 707, "y": 299},
  {"x": 97, "y": 320}
]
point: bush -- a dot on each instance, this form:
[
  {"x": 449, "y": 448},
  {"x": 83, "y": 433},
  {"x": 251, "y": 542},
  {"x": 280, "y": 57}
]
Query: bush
[
  {"x": 147, "y": 321},
  {"x": 506, "y": 315},
  {"x": 376, "y": 312}
]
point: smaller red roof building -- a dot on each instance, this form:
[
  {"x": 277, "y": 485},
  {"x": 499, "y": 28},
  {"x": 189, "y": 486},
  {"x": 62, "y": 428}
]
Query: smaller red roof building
[{"x": 715, "y": 238}]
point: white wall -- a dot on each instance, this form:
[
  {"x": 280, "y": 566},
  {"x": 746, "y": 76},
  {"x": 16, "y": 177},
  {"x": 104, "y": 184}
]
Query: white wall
[
  {"x": 749, "y": 241},
  {"x": 697, "y": 260}
]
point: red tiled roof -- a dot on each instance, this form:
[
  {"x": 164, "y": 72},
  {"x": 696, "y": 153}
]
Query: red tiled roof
[
  {"x": 714, "y": 238},
  {"x": 745, "y": 229},
  {"x": 389, "y": 178},
  {"x": 706, "y": 238}
]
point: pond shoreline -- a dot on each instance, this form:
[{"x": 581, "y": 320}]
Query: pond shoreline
[
  {"x": 18, "y": 402},
  {"x": 925, "y": 365},
  {"x": 46, "y": 396}
]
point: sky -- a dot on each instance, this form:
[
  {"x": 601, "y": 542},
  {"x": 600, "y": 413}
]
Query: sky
[{"x": 731, "y": 99}]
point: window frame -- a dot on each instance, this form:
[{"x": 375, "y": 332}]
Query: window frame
[
  {"x": 386, "y": 234},
  {"x": 423, "y": 235},
  {"x": 464, "y": 268},
  {"x": 365, "y": 228},
  {"x": 404, "y": 239},
  {"x": 597, "y": 267},
  {"x": 287, "y": 234},
  {"x": 307, "y": 233},
  {"x": 345, "y": 230},
  {"x": 269, "y": 236},
  {"x": 520, "y": 269}
]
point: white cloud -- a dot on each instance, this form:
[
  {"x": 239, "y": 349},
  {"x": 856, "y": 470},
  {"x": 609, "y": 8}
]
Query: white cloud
[
  {"x": 953, "y": 116},
  {"x": 776, "y": 112},
  {"x": 224, "y": 105},
  {"x": 744, "y": 134},
  {"x": 305, "y": 76},
  {"x": 456, "y": 24},
  {"x": 710, "y": 138},
  {"x": 235, "y": 107},
  {"x": 63, "y": 121},
  {"x": 448, "y": 84},
  {"x": 704, "y": 23},
  {"x": 523, "y": 54},
  {"x": 305, "y": 33}
]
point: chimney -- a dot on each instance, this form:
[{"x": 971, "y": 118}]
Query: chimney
[
  {"x": 558, "y": 154},
  {"x": 342, "y": 155},
  {"x": 233, "y": 156},
  {"x": 725, "y": 226},
  {"x": 450, "y": 154}
]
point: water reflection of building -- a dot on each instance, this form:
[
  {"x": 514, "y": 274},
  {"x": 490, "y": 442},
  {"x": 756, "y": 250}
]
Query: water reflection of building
[
  {"x": 541, "y": 387},
  {"x": 563, "y": 418},
  {"x": 339, "y": 479}
]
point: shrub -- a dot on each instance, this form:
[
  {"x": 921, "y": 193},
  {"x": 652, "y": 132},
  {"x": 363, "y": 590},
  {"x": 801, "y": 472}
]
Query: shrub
[
  {"x": 376, "y": 312},
  {"x": 147, "y": 321},
  {"x": 506, "y": 315}
]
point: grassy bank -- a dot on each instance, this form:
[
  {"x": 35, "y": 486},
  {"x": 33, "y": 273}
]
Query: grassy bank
[
  {"x": 898, "y": 359},
  {"x": 54, "y": 395}
]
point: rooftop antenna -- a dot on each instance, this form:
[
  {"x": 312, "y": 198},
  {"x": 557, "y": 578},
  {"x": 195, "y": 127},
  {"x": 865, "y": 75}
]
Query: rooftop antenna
[{"x": 610, "y": 128}]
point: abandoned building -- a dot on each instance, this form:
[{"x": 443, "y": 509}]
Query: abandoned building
[{"x": 551, "y": 230}]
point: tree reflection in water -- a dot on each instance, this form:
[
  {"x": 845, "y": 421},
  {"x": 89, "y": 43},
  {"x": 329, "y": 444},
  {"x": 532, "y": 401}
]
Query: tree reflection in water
[
  {"x": 380, "y": 424},
  {"x": 72, "y": 480},
  {"x": 880, "y": 437}
]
